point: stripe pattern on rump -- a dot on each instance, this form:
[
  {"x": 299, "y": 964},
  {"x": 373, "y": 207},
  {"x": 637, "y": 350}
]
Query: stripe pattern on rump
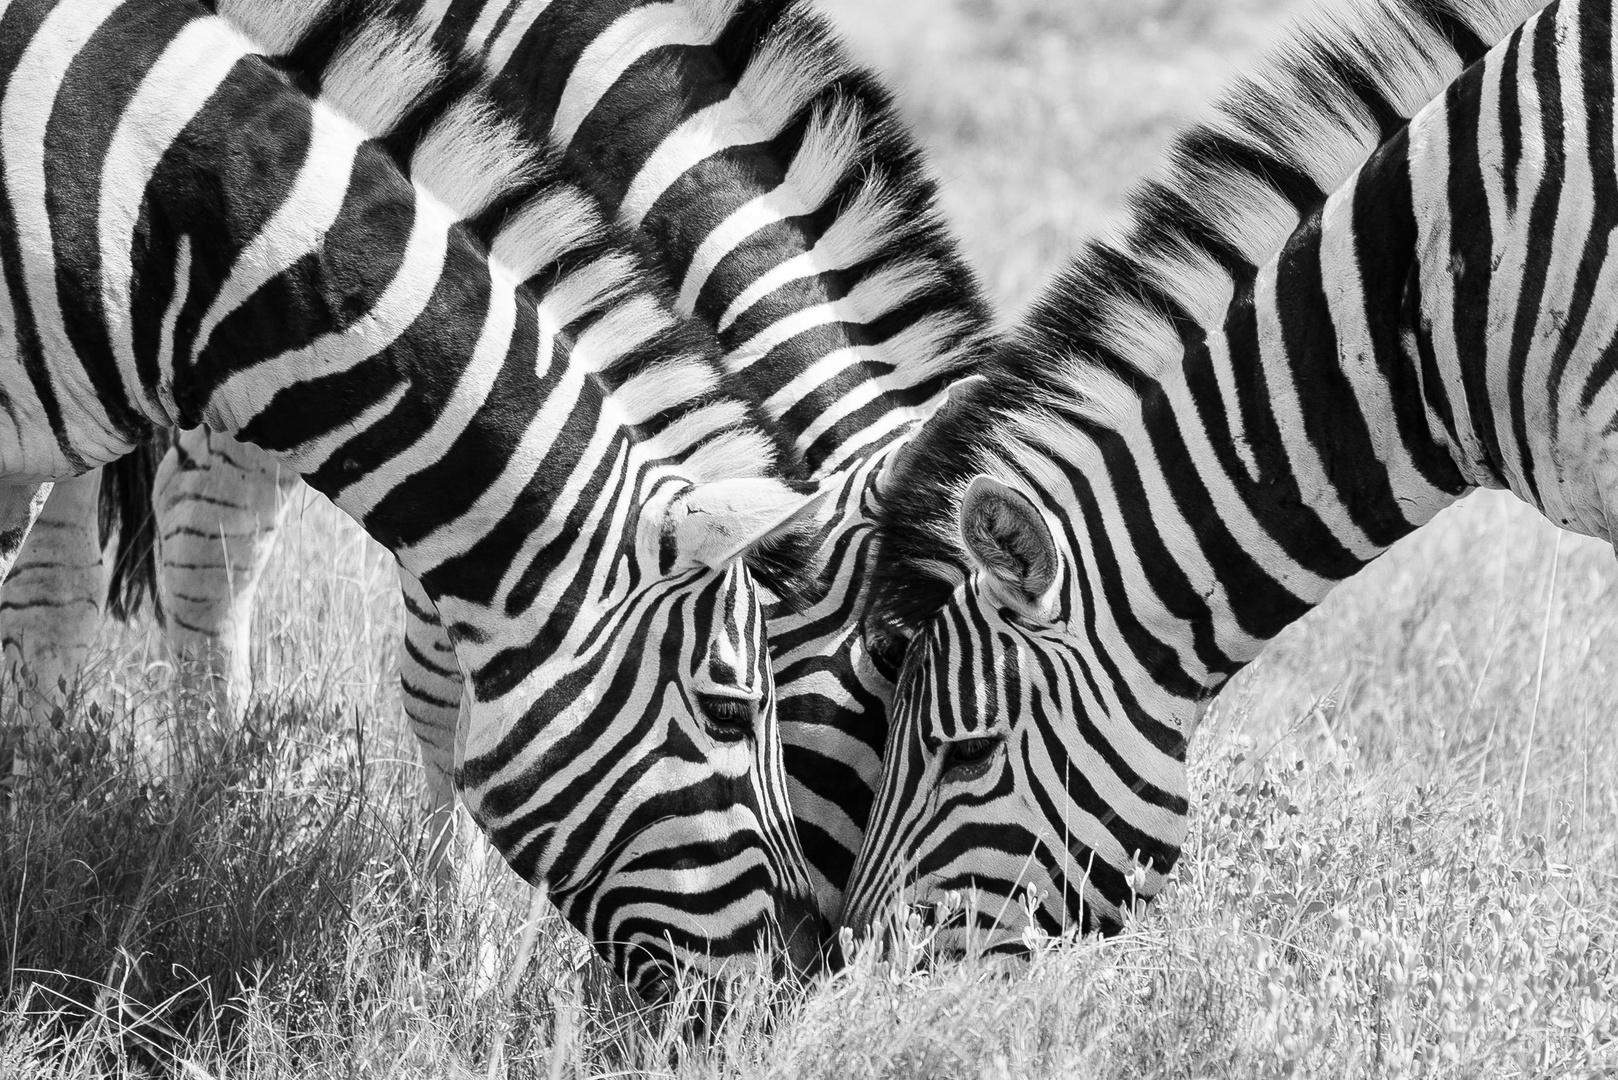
[
  {"x": 1329, "y": 318},
  {"x": 277, "y": 220}
]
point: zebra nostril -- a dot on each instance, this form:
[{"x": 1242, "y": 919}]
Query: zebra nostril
[{"x": 806, "y": 934}]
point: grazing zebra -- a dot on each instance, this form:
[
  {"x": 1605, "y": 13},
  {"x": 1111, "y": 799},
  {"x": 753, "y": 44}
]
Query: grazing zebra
[
  {"x": 791, "y": 213},
  {"x": 306, "y": 226},
  {"x": 1273, "y": 373}
]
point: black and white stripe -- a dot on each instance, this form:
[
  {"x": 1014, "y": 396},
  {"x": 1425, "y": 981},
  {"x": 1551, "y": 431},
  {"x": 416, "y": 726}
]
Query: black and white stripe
[
  {"x": 771, "y": 182},
  {"x": 776, "y": 187},
  {"x": 1268, "y": 377},
  {"x": 307, "y": 227}
]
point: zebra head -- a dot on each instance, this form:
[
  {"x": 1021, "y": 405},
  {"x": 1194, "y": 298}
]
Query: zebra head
[
  {"x": 1020, "y": 771},
  {"x": 639, "y": 774}
]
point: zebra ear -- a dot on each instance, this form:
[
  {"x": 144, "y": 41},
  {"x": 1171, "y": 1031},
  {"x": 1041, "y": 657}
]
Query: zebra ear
[
  {"x": 712, "y": 524},
  {"x": 956, "y": 396},
  {"x": 1009, "y": 539}
]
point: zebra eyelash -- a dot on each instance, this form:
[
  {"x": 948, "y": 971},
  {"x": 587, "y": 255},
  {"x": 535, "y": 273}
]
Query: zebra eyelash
[{"x": 965, "y": 760}]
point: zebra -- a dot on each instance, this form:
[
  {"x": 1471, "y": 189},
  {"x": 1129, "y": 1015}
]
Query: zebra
[
  {"x": 1372, "y": 284},
  {"x": 792, "y": 214},
  {"x": 308, "y": 227}
]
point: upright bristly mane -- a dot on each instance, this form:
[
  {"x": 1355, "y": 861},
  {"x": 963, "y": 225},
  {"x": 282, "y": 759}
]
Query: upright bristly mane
[
  {"x": 854, "y": 171},
  {"x": 435, "y": 114},
  {"x": 1234, "y": 188},
  {"x": 786, "y": 201}
]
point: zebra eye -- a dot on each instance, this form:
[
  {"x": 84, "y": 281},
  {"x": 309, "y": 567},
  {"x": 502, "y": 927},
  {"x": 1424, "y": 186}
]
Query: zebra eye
[
  {"x": 728, "y": 719},
  {"x": 886, "y": 650},
  {"x": 1024, "y": 621},
  {"x": 967, "y": 759}
]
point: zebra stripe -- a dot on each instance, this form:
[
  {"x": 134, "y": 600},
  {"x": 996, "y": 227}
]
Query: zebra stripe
[
  {"x": 799, "y": 224},
  {"x": 1188, "y": 446},
  {"x": 222, "y": 553},
  {"x": 51, "y": 604},
  {"x": 792, "y": 214},
  {"x": 534, "y": 435}
]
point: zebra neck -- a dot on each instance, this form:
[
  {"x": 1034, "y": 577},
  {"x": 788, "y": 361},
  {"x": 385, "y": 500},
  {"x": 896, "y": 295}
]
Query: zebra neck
[
  {"x": 785, "y": 201},
  {"x": 1516, "y": 190},
  {"x": 318, "y": 304},
  {"x": 1273, "y": 460}
]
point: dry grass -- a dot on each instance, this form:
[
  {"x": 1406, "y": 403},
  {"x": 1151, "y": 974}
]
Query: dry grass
[{"x": 1402, "y": 858}]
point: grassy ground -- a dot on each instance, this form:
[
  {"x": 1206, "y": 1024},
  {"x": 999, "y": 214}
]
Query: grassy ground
[{"x": 1402, "y": 860}]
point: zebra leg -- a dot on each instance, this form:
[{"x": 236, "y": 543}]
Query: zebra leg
[
  {"x": 431, "y": 684},
  {"x": 50, "y": 605},
  {"x": 219, "y": 505},
  {"x": 20, "y": 506}
]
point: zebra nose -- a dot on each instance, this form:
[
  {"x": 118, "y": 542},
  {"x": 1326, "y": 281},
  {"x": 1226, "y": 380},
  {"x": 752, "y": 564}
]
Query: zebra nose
[{"x": 805, "y": 933}]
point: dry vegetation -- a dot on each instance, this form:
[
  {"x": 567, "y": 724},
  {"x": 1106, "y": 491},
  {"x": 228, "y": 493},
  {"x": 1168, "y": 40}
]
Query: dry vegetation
[{"x": 1402, "y": 860}]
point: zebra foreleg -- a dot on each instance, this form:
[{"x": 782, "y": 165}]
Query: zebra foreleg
[
  {"x": 219, "y": 505},
  {"x": 20, "y": 506},
  {"x": 50, "y": 605},
  {"x": 431, "y": 685}
]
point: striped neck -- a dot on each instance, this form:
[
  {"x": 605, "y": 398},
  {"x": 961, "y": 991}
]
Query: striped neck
[
  {"x": 792, "y": 214},
  {"x": 777, "y": 187},
  {"x": 388, "y": 366},
  {"x": 1199, "y": 433},
  {"x": 1277, "y": 458}
]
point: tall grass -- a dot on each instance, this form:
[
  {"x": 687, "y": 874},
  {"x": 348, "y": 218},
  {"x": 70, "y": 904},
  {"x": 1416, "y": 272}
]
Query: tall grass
[{"x": 1363, "y": 892}]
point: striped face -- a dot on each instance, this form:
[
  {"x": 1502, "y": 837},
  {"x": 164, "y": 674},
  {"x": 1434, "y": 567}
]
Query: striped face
[
  {"x": 1017, "y": 760},
  {"x": 640, "y": 777},
  {"x": 708, "y": 865}
]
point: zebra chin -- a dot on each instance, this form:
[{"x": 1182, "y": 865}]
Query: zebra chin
[
  {"x": 1001, "y": 909},
  {"x": 663, "y": 945},
  {"x": 978, "y": 923},
  {"x": 664, "y": 913}
]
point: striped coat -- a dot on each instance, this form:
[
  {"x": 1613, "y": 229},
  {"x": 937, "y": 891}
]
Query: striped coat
[
  {"x": 1381, "y": 279},
  {"x": 309, "y": 228},
  {"x": 776, "y": 191}
]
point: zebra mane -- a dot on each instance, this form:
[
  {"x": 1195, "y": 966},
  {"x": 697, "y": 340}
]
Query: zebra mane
[
  {"x": 1234, "y": 187},
  {"x": 858, "y": 170},
  {"x": 434, "y": 113},
  {"x": 837, "y": 231}
]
